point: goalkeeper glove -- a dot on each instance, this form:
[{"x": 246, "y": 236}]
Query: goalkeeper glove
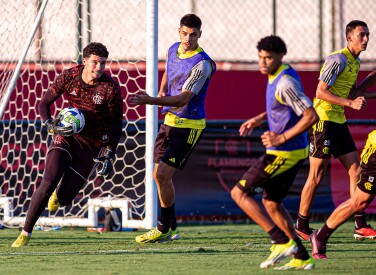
[
  {"x": 53, "y": 127},
  {"x": 107, "y": 159}
]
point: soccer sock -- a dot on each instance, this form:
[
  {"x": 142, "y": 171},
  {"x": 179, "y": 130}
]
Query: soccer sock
[
  {"x": 302, "y": 253},
  {"x": 324, "y": 233},
  {"x": 164, "y": 222},
  {"x": 278, "y": 236},
  {"x": 172, "y": 218},
  {"x": 302, "y": 222},
  {"x": 26, "y": 233},
  {"x": 360, "y": 220}
]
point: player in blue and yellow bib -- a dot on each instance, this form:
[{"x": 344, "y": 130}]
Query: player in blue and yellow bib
[
  {"x": 289, "y": 113},
  {"x": 182, "y": 94},
  {"x": 331, "y": 135}
]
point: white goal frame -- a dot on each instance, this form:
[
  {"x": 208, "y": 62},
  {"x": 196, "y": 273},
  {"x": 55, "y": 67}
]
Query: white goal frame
[{"x": 151, "y": 125}]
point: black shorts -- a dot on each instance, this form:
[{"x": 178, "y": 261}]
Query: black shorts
[
  {"x": 273, "y": 174},
  {"x": 367, "y": 179},
  {"x": 80, "y": 153},
  {"x": 174, "y": 145},
  {"x": 328, "y": 138}
]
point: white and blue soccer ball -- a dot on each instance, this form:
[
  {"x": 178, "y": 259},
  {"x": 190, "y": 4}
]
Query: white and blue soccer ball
[{"x": 72, "y": 116}]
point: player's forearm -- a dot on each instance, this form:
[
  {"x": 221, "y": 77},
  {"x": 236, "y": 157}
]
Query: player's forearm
[
  {"x": 327, "y": 96},
  {"x": 175, "y": 101},
  {"x": 261, "y": 117},
  {"x": 309, "y": 118},
  {"x": 44, "y": 105}
]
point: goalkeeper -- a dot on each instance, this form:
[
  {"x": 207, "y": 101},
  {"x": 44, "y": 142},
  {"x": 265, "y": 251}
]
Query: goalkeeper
[{"x": 71, "y": 156}]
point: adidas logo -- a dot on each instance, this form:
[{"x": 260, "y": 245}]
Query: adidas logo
[
  {"x": 242, "y": 182},
  {"x": 172, "y": 160},
  {"x": 73, "y": 92}
]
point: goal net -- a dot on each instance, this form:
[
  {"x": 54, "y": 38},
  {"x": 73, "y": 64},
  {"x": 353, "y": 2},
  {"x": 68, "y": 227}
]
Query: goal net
[{"x": 39, "y": 40}]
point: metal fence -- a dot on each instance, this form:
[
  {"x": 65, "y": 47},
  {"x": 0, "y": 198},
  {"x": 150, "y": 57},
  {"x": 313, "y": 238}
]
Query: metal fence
[{"x": 231, "y": 28}]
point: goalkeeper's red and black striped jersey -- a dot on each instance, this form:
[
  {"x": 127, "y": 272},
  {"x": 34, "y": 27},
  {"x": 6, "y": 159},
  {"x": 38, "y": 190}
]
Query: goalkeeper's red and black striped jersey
[{"x": 101, "y": 104}]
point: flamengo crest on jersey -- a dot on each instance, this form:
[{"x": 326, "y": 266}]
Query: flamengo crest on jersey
[{"x": 98, "y": 99}]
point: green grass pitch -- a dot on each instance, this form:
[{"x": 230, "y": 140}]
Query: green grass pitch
[{"x": 211, "y": 249}]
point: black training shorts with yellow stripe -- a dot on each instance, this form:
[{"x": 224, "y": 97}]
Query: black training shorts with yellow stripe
[
  {"x": 174, "y": 145},
  {"x": 328, "y": 138},
  {"x": 367, "y": 180},
  {"x": 275, "y": 172}
]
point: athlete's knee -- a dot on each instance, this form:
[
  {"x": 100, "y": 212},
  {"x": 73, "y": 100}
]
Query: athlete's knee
[
  {"x": 316, "y": 174},
  {"x": 357, "y": 205},
  {"x": 272, "y": 206},
  {"x": 237, "y": 194},
  {"x": 354, "y": 173},
  {"x": 162, "y": 178}
]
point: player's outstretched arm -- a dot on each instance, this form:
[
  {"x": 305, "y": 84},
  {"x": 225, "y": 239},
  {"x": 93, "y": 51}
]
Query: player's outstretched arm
[
  {"x": 143, "y": 98},
  {"x": 247, "y": 127}
]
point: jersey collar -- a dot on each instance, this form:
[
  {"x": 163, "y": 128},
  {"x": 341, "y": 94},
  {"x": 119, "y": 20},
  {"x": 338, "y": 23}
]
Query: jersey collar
[
  {"x": 348, "y": 54},
  {"x": 272, "y": 77},
  {"x": 190, "y": 53}
]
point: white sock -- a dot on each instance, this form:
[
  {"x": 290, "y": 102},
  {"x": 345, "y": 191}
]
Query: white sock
[{"x": 26, "y": 233}]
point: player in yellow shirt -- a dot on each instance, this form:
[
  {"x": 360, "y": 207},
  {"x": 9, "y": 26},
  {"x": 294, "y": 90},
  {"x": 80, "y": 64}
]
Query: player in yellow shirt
[{"x": 331, "y": 135}]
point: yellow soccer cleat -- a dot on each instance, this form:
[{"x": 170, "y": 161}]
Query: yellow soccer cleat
[
  {"x": 53, "y": 203},
  {"x": 22, "y": 240},
  {"x": 175, "y": 235},
  {"x": 154, "y": 235},
  {"x": 279, "y": 252},
  {"x": 298, "y": 264}
]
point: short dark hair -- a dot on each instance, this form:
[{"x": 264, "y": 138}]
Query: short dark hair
[
  {"x": 353, "y": 24},
  {"x": 273, "y": 44},
  {"x": 95, "y": 48},
  {"x": 191, "y": 21}
]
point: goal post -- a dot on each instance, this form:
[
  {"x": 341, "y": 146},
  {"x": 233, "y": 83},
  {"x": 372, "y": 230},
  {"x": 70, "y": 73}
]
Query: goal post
[{"x": 49, "y": 46}]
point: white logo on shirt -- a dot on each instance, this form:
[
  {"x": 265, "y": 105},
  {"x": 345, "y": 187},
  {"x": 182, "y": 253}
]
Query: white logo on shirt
[{"x": 98, "y": 99}]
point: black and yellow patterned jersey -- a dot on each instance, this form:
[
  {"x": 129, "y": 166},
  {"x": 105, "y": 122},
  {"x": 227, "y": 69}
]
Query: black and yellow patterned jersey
[{"x": 340, "y": 72}]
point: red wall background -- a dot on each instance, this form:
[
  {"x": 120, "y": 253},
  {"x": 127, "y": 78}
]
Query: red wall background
[
  {"x": 232, "y": 95},
  {"x": 238, "y": 95}
]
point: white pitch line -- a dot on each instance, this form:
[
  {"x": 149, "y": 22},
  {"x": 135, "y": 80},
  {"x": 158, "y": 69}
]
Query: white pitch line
[
  {"x": 105, "y": 251},
  {"x": 120, "y": 251}
]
